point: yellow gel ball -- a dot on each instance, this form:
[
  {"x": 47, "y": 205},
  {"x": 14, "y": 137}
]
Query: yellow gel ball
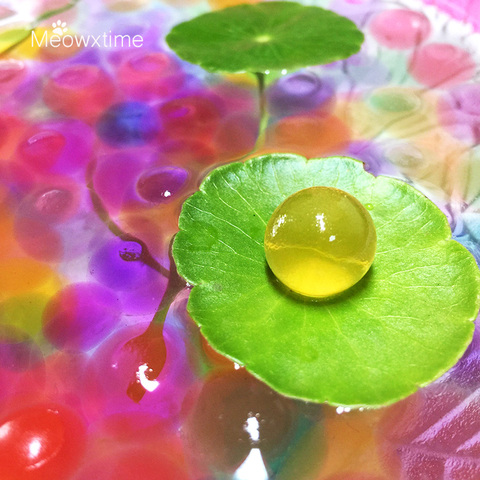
[{"x": 320, "y": 241}]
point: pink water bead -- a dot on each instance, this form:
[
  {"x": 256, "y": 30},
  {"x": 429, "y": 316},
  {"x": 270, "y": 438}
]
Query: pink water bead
[
  {"x": 400, "y": 29},
  {"x": 441, "y": 65}
]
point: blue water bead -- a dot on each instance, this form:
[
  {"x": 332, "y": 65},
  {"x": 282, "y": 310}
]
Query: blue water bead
[{"x": 129, "y": 124}]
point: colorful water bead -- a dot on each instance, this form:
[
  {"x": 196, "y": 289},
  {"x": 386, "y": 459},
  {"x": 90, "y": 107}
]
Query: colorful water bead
[
  {"x": 400, "y": 29},
  {"x": 40, "y": 442},
  {"x": 320, "y": 241},
  {"x": 441, "y": 64},
  {"x": 81, "y": 91}
]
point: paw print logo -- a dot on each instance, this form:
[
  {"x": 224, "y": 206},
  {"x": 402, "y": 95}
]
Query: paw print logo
[{"x": 59, "y": 27}]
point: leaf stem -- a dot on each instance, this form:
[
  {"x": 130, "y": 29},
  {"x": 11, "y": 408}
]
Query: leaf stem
[
  {"x": 175, "y": 285},
  {"x": 262, "y": 110},
  {"x": 102, "y": 213}
]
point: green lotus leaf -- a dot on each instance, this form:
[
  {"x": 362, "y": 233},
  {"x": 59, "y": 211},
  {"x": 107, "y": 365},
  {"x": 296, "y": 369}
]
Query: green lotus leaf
[
  {"x": 403, "y": 325},
  {"x": 265, "y": 36}
]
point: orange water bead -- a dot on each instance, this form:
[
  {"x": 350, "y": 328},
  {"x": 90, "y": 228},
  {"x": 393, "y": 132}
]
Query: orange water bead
[
  {"x": 23, "y": 274},
  {"x": 432, "y": 159},
  {"x": 352, "y": 445},
  {"x": 308, "y": 135},
  {"x": 8, "y": 244},
  {"x": 217, "y": 4}
]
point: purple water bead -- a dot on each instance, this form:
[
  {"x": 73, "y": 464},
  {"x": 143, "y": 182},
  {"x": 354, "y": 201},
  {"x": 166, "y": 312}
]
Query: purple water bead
[
  {"x": 298, "y": 93},
  {"x": 162, "y": 184},
  {"x": 371, "y": 155},
  {"x": 80, "y": 316},
  {"x": 117, "y": 265}
]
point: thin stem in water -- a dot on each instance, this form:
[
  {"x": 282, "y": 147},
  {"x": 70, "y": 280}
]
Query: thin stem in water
[{"x": 262, "y": 110}]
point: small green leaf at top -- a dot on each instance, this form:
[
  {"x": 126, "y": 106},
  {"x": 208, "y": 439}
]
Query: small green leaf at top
[
  {"x": 399, "y": 328},
  {"x": 265, "y": 36}
]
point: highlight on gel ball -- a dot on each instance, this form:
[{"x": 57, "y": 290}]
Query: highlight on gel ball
[{"x": 320, "y": 241}]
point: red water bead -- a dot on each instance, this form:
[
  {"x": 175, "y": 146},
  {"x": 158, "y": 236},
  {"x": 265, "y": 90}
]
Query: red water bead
[
  {"x": 41, "y": 442},
  {"x": 149, "y": 75},
  {"x": 400, "y": 29},
  {"x": 134, "y": 463},
  {"x": 236, "y": 135},
  {"x": 12, "y": 72},
  {"x": 11, "y": 129},
  {"x": 79, "y": 91},
  {"x": 216, "y": 426},
  {"x": 190, "y": 116},
  {"x": 441, "y": 65},
  {"x": 42, "y": 149},
  {"x": 193, "y": 154}
]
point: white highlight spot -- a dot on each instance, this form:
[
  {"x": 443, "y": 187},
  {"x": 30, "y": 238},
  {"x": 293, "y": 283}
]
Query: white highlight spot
[
  {"x": 252, "y": 428},
  {"x": 34, "y": 448},
  {"x": 148, "y": 385},
  {"x": 320, "y": 217},
  {"x": 332, "y": 238},
  {"x": 4, "y": 430},
  {"x": 284, "y": 71},
  {"x": 253, "y": 467},
  {"x": 167, "y": 193},
  {"x": 278, "y": 223}
]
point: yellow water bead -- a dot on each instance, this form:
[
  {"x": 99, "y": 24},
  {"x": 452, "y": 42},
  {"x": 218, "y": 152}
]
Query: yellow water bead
[{"x": 320, "y": 241}]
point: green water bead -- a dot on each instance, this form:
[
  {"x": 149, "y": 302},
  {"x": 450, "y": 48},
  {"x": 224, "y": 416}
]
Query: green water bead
[{"x": 320, "y": 241}]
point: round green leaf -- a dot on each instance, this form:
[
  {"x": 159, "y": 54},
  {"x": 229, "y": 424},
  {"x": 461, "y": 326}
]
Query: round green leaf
[
  {"x": 404, "y": 324},
  {"x": 265, "y": 36}
]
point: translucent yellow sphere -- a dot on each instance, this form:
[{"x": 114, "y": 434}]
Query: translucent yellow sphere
[{"x": 320, "y": 241}]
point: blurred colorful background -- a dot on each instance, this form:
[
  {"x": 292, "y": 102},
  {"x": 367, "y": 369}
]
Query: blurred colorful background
[{"x": 103, "y": 134}]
